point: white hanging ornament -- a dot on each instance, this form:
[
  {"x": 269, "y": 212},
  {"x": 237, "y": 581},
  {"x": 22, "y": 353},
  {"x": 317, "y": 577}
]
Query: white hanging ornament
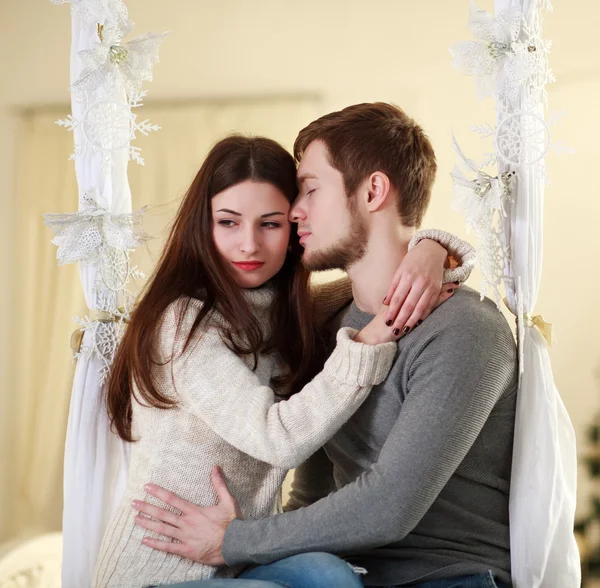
[
  {"x": 482, "y": 201},
  {"x": 522, "y": 139},
  {"x": 498, "y": 59},
  {"x": 81, "y": 236},
  {"x": 480, "y": 197},
  {"x": 107, "y": 126},
  {"x": 105, "y": 328},
  {"x": 133, "y": 61},
  {"x": 94, "y": 235}
]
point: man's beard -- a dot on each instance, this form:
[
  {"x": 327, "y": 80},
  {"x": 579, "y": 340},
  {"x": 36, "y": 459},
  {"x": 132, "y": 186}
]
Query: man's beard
[{"x": 343, "y": 254}]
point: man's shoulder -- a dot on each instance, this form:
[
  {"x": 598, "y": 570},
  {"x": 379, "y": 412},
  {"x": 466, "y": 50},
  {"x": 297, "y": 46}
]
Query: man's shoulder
[
  {"x": 468, "y": 307},
  {"x": 468, "y": 321}
]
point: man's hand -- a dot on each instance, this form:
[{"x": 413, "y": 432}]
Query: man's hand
[{"x": 198, "y": 532}]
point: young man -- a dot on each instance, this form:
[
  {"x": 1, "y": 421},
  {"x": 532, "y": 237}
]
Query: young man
[{"x": 414, "y": 488}]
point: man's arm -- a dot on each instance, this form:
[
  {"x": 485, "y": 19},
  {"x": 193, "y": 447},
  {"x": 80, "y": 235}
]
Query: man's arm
[
  {"x": 456, "y": 377},
  {"x": 313, "y": 480}
]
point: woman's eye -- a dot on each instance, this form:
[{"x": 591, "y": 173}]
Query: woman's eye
[
  {"x": 271, "y": 225},
  {"x": 226, "y": 223},
  {"x": 310, "y": 192}
]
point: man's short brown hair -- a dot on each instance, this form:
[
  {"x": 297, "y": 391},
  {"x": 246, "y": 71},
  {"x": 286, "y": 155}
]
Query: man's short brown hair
[{"x": 366, "y": 138}]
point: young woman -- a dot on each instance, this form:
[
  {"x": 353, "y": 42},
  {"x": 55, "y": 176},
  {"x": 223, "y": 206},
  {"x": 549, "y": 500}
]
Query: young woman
[{"x": 222, "y": 362}]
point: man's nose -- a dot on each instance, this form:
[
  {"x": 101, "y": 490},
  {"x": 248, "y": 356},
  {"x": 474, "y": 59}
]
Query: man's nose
[{"x": 297, "y": 212}]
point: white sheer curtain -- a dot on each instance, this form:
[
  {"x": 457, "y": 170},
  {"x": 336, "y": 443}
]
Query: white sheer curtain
[
  {"x": 40, "y": 363},
  {"x": 544, "y": 553}
]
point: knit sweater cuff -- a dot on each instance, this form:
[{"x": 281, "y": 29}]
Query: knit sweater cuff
[
  {"x": 358, "y": 363},
  {"x": 462, "y": 251}
]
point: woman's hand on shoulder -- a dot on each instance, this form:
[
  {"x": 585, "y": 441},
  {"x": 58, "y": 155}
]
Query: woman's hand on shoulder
[{"x": 417, "y": 288}]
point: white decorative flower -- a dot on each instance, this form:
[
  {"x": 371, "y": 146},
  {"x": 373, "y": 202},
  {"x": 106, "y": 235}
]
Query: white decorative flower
[
  {"x": 499, "y": 60},
  {"x": 133, "y": 60},
  {"x": 83, "y": 236},
  {"x": 481, "y": 198},
  {"x": 94, "y": 235}
]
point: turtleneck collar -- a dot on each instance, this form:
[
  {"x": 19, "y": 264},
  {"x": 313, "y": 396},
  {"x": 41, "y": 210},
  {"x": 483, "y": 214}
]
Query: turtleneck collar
[{"x": 260, "y": 298}]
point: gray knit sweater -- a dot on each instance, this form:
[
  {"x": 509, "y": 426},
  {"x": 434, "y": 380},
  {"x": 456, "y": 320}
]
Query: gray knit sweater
[{"x": 422, "y": 470}]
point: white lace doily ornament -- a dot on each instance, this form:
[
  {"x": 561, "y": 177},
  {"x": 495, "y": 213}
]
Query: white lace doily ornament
[
  {"x": 108, "y": 126},
  {"x": 522, "y": 139}
]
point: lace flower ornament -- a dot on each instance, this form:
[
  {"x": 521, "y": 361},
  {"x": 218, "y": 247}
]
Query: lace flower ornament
[
  {"x": 498, "y": 59},
  {"x": 133, "y": 60}
]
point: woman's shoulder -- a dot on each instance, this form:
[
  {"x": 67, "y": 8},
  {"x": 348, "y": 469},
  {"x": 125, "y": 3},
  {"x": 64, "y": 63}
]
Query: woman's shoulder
[
  {"x": 178, "y": 319},
  {"x": 183, "y": 307}
]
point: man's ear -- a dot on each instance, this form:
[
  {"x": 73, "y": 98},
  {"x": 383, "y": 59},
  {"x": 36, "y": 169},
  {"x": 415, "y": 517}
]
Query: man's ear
[{"x": 378, "y": 188}]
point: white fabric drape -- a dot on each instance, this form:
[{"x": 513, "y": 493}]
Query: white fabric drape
[
  {"x": 544, "y": 553},
  {"x": 95, "y": 459}
]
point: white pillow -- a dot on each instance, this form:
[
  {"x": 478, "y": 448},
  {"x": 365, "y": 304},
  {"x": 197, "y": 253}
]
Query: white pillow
[{"x": 34, "y": 563}]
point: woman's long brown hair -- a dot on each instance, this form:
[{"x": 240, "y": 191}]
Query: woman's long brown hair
[{"x": 191, "y": 267}]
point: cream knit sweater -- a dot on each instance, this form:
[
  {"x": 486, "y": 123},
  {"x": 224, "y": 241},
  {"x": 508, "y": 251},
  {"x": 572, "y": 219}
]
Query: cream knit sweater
[{"x": 228, "y": 416}]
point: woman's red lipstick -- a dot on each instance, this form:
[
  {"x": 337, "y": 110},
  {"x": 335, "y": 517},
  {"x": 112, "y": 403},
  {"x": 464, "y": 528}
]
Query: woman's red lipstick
[{"x": 248, "y": 266}]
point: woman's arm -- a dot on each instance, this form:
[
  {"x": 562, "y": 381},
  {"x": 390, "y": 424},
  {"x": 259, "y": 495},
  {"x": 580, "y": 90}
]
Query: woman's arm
[
  {"x": 330, "y": 298},
  {"x": 217, "y": 385},
  {"x": 462, "y": 255}
]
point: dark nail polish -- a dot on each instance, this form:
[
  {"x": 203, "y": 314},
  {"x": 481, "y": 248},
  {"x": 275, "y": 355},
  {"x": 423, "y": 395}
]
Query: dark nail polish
[
  {"x": 388, "y": 323},
  {"x": 396, "y": 332},
  {"x": 419, "y": 322},
  {"x": 406, "y": 329},
  {"x": 450, "y": 291}
]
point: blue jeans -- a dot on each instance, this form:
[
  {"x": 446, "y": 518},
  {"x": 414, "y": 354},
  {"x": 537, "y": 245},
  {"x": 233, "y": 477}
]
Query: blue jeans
[
  {"x": 479, "y": 581},
  {"x": 306, "y": 570}
]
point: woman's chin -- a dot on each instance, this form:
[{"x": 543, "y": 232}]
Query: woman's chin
[{"x": 252, "y": 280}]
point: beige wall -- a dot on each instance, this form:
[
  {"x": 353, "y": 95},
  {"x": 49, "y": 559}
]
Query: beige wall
[
  {"x": 7, "y": 134},
  {"x": 348, "y": 51}
]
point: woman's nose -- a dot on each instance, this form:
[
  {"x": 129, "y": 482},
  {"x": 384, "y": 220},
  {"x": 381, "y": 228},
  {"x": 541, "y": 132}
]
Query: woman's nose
[{"x": 250, "y": 242}]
